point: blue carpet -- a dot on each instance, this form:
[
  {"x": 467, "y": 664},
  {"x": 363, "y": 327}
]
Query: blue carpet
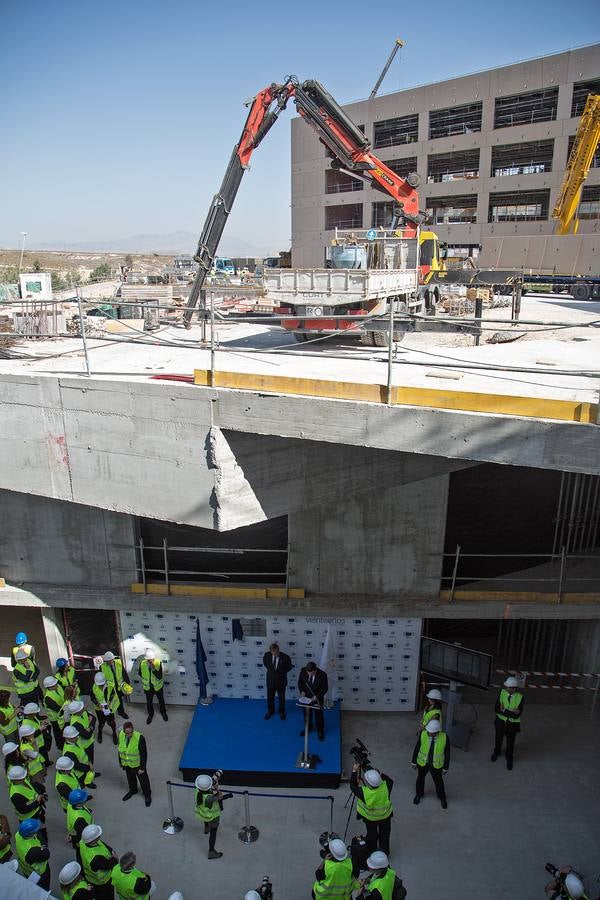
[{"x": 233, "y": 735}]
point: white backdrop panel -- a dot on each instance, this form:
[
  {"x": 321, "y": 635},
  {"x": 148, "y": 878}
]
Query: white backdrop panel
[{"x": 377, "y": 658}]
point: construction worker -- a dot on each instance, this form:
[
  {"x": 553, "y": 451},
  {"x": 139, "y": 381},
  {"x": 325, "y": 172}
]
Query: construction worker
[
  {"x": 5, "y": 836},
  {"x": 65, "y": 780},
  {"x": 32, "y": 715},
  {"x": 336, "y": 876},
  {"x": 21, "y": 644},
  {"x": 381, "y": 881},
  {"x": 209, "y": 803},
  {"x": 12, "y": 756},
  {"x": 85, "y": 723},
  {"x": 83, "y": 769},
  {"x": 25, "y": 678},
  {"x": 433, "y": 707},
  {"x": 151, "y": 673},
  {"x": 509, "y": 707},
  {"x": 372, "y": 790},
  {"x": 98, "y": 861},
  {"x": 431, "y": 754},
  {"x": 115, "y": 673},
  {"x": 54, "y": 701},
  {"x": 66, "y": 677},
  {"x": 8, "y": 717},
  {"x": 32, "y": 851},
  {"x": 73, "y": 884},
  {"x": 34, "y": 760},
  {"x": 79, "y": 816},
  {"x": 28, "y": 798},
  {"x": 133, "y": 757},
  {"x": 567, "y": 885},
  {"x": 106, "y": 703},
  {"x": 128, "y": 881}
]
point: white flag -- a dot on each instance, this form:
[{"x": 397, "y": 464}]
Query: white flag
[{"x": 328, "y": 663}]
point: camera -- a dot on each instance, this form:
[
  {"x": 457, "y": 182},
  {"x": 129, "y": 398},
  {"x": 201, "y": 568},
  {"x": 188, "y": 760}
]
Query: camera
[
  {"x": 265, "y": 888},
  {"x": 361, "y": 755},
  {"x": 217, "y": 775},
  {"x": 324, "y": 839}
]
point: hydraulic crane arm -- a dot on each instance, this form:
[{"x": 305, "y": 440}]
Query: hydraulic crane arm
[
  {"x": 344, "y": 141},
  {"x": 578, "y": 166}
]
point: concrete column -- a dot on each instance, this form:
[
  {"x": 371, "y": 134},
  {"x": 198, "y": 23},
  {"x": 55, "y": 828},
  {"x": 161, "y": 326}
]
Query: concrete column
[{"x": 53, "y": 629}]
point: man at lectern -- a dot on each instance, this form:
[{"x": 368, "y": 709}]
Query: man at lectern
[
  {"x": 313, "y": 683},
  {"x": 278, "y": 665}
]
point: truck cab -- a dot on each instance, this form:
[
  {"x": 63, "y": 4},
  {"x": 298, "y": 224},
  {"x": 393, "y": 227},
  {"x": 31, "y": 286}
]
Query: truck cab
[{"x": 222, "y": 265}]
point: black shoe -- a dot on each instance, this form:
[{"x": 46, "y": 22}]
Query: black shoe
[
  {"x": 129, "y": 795},
  {"x": 148, "y": 800},
  {"x": 149, "y": 719},
  {"x": 282, "y": 716},
  {"x": 165, "y": 717},
  {"x": 97, "y": 774},
  {"x": 494, "y": 756},
  {"x": 509, "y": 766},
  {"x": 268, "y": 715},
  {"x": 444, "y": 804},
  {"x": 206, "y": 828},
  {"x": 93, "y": 785},
  {"x": 321, "y": 736},
  {"x": 123, "y": 715},
  {"x": 416, "y": 799},
  {"x": 214, "y": 854}
]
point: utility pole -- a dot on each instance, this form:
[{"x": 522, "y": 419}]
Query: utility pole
[
  {"x": 23, "y": 236},
  {"x": 398, "y": 43}
]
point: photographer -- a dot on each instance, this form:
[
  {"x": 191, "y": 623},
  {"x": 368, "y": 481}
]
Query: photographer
[
  {"x": 209, "y": 804},
  {"x": 264, "y": 891},
  {"x": 336, "y": 876},
  {"x": 566, "y": 884},
  {"x": 372, "y": 790},
  {"x": 382, "y": 883}
]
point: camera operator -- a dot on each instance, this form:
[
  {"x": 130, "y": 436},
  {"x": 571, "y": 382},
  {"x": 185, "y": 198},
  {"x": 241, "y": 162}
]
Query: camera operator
[
  {"x": 264, "y": 891},
  {"x": 336, "y": 876},
  {"x": 209, "y": 805},
  {"x": 566, "y": 884},
  {"x": 372, "y": 789},
  {"x": 381, "y": 883}
]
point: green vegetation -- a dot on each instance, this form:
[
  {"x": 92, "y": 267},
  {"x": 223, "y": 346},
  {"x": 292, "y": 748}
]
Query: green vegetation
[{"x": 101, "y": 272}]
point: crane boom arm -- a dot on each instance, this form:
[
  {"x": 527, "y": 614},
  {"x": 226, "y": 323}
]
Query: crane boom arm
[{"x": 578, "y": 166}]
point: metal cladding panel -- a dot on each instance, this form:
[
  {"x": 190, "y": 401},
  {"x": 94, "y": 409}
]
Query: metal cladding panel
[{"x": 377, "y": 659}]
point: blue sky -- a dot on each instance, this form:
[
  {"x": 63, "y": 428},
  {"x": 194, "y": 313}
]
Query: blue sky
[{"x": 119, "y": 118}]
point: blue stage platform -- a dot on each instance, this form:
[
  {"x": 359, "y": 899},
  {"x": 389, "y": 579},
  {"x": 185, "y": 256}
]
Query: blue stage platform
[{"x": 233, "y": 735}]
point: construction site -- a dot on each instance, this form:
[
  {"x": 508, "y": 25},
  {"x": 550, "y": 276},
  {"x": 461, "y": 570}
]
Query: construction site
[{"x": 379, "y": 450}]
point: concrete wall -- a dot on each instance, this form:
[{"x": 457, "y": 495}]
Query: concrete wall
[
  {"x": 584, "y": 653},
  {"x": 56, "y": 542},
  {"x": 375, "y": 545}
]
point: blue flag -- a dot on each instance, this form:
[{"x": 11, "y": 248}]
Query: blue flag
[{"x": 201, "y": 663}]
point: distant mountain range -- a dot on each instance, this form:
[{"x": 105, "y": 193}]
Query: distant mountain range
[{"x": 177, "y": 242}]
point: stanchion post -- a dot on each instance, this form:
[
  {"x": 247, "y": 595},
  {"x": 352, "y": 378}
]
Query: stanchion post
[
  {"x": 330, "y": 814},
  {"x": 173, "y": 824},
  {"x": 248, "y": 834}
]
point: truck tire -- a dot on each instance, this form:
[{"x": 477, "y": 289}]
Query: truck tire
[
  {"x": 380, "y": 338},
  {"x": 301, "y": 336},
  {"x": 581, "y": 292}
]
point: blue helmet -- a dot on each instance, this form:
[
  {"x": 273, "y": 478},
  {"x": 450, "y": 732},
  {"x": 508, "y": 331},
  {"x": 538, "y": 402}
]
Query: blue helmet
[
  {"x": 78, "y": 796},
  {"x": 29, "y": 827},
  {"x": 61, "y": 662},
  {"x": 20, "y": 638}
]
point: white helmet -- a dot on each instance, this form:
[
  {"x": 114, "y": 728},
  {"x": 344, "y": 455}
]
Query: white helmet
[
  {"x": 9, "y": 747},
  {"x": 49, "y": 681},
  {"x": 373, "y": 778},
  {"x": 178, "y": 896},
  {"x": 338, "y": 849},
  {"x": 433, "y": 726},
  {"x": 108, "y": 656},
  {"x": 150, "y": 653},
  {"x": 99, "y": 678},
  {"x": 69, "y": 873},
  {"x": 434, "y": 694},
  {"x": 91, "y": 833},
  {"x": 252, "y": 895},
  {"x": 574, "y": 885},
  {"x": 26, "y": 731},
  {"x": 203, "y": 782},
  {"x": 70, "y": 733},
  {"x": 21, "y": 654},
  {"x": 75, "y": 706},
  {"x": 511, "y": 681},
  {"x": 64, "y": 764},
  {"x": 31, "y": 709},
  {"x": 17, "y": 773},
  {"x": 378, "y": 860}
]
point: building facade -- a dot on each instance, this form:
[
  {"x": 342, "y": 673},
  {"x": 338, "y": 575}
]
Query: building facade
[{"x": 490, "y": 149}]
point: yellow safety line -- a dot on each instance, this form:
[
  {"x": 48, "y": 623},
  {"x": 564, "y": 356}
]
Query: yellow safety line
[
  {"x": 197, "y": 590},
  {"x": 466, "y": 401},
  {"x": 521, "y": 596}
]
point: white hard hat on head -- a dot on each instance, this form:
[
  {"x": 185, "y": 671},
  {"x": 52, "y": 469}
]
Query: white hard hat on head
[
  {"x": 91, "y": 833},
  {"x": 203, "y": 782},
  {"x": 338, "y": 849},
  {"x": 75, "y": 706},
  {"x": 574, "y": 885},
  {"x": 69, "y": 873},
  {"x": 9, "y": 747},
  {"x": 150, "y": 653},
  {"x": 434, "y": 694},
  {"x": 378, "y": 860},
  {"x": 108, "y": 656},
  {"x": 178, "y": 896},
  {"x": 511, "y": 681},
  {"x": 49, "y": 681},
  {"x": 433, "y": 726},
  {"x": 17, "y": 773},
  {"x": 21, "y": 654},
  {"x": 372, "y": 777},
  {"x": 31, "y": 709},
  {"x": 252, "y": 895},
  {"x": 99, "y": 678},
  {"x": 26, "y": 731},
  {"x": 70, "y": 733},
  {"x": 64, "y": 764}
]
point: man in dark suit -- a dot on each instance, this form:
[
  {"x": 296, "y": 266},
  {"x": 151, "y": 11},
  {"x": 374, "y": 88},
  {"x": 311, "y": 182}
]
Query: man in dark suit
[
  {"x": 278, "y": 665},
  {"x": 313, "y": 683}
]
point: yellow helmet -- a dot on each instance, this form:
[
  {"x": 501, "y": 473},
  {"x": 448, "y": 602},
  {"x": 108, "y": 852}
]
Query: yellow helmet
[{"x": 127, "y": 689}]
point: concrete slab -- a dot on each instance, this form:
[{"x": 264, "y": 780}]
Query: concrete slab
[{"x": 493, "y": 841}]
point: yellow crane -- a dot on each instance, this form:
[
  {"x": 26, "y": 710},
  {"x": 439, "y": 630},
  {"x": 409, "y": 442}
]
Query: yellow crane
[{"x": 578, "y": 166}]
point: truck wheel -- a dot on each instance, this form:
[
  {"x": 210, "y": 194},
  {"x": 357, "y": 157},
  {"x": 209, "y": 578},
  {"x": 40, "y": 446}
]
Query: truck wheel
[
  {"x": 581, "y": 292},
  {"x": 301, "y": 336}
]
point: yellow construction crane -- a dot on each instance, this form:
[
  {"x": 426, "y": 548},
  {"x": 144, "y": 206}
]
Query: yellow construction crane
[{"x": 578, "y": 166}]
